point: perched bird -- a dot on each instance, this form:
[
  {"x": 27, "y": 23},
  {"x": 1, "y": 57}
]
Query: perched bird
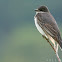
[{"x": 47, "y": 26}]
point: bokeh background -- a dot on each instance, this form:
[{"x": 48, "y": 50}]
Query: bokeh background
[{"x": 20, "y": 41}]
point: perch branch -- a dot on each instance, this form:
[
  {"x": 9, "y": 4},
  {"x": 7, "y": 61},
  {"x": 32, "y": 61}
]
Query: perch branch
[
  {"x": 59, "y": 60},
  {"x": 49, "y": 43}
]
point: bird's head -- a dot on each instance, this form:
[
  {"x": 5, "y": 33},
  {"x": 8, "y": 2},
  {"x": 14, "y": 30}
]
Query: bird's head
[{"x": 42, "y": 9}]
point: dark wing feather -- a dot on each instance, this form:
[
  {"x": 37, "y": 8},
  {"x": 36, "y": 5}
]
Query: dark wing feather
[{"x": 48, "y": 24}]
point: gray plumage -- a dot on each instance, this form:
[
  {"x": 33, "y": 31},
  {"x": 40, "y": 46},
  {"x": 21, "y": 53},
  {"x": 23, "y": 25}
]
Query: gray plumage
[{"x": 47, "y": 22}]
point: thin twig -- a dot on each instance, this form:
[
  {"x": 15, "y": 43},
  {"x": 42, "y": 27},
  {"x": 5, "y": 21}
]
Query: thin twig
[
  {"x": 49, "y": 43},
  {"x": 59, "y": 60},
  {"x": 51, "y": 46}
]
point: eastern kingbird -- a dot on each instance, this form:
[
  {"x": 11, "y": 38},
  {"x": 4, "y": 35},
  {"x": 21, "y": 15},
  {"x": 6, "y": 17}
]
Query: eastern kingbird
[{"x": 47, "y": 26}]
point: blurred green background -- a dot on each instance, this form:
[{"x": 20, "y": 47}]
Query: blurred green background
[{"x": 20, "y": 41}]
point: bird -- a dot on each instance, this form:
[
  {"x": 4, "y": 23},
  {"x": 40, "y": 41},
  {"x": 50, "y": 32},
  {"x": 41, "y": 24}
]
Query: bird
[{"x": 47, "y": 26}]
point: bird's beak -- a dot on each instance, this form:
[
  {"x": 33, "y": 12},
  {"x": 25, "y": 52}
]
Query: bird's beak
[{"x": 36, "y": 9}]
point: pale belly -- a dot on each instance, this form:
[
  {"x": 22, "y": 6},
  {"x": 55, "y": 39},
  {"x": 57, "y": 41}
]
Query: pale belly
[{"x": 39, "y": 28}]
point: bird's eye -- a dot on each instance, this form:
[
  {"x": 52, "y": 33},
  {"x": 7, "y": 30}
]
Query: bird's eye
[{"x": 42, "y": 9}]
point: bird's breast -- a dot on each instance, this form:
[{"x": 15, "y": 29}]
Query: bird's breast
[{"x": 38, "y": 27}]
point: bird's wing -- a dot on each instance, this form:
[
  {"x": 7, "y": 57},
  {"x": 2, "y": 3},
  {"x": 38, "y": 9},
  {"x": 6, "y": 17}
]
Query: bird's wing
[{"x": 49, "y": 25}]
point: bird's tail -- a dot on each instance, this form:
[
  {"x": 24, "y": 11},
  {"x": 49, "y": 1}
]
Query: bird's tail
[{"x": 60, "y": 45}]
